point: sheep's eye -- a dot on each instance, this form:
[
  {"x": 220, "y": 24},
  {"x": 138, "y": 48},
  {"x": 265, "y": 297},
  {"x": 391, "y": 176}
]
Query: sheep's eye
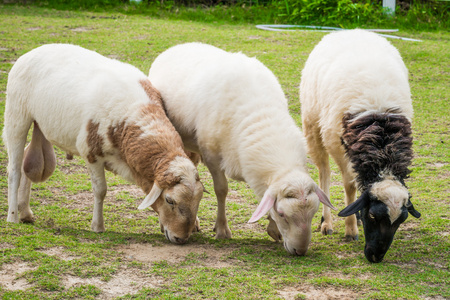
[
  {"x": 170, "y": 201},
  {"x": 290, "y": 195},
  {"x": 372, "y": 216},
  {"x": 281, "y": 214}
]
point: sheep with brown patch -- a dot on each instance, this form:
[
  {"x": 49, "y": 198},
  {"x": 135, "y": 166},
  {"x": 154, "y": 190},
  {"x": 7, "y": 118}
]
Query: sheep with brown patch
[
  {"x": 108, "y": 113},
  {"x": 231, "y": 109},
  {"x": 356, "y": 107}
]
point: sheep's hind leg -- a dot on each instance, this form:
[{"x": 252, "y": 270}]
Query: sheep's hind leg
[
  {"x": 16, "y": 138},
  {"x": 221, "y": 189},
  {"x": 99, "y": 187},
  {"x": 26, "y": 214}
]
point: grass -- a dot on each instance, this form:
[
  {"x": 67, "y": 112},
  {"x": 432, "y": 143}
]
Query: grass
[{"x": 59, "y": 257}]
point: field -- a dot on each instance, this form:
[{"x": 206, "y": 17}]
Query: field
[{"x": 59, "y": 257}]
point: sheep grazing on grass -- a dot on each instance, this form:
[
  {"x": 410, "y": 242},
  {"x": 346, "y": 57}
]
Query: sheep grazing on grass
[
  {"x": 107, "y": 112},
  {"x": 356, "y": 106},
  {"x": 231, "y": 109}
]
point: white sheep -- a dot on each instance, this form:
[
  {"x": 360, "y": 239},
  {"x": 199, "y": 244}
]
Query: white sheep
[
  {"x": 231, "y": 109},
  {"x": 107, "y": 112},
  {"x": 356, "y": 106}
]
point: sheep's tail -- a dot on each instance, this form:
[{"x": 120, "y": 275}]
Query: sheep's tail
[{"x": 39, "y": 158}]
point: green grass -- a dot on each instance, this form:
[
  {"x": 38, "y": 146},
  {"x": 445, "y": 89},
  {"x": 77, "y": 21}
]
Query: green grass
[{"x": 60, "y": 245}]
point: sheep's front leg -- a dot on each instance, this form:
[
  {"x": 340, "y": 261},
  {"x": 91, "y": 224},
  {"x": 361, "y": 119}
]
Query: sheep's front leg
[
  {"x": 221, "y": 189},
  {"x": 99, "y": 187},
  {"x": 351, "y": 227},
  {"x": 326, "y": 226}
]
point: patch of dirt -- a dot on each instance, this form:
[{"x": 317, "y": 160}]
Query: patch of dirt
[
  {"x": 333, "y": 274},
  {"x": 85, "y": 200},
  {"x": 10, "y": 273},
  {"x": 58, "y": 252},
  {"x": 312, "y": 292},
  {"x": 114, "y": 56},
  {"x": 6, "y": 246},
  {"x": 208, "y": 256},
  {"x": 80, "y": 29},
  {"x": 125, "y": 281},
  {"x": 34, "y": 28}
]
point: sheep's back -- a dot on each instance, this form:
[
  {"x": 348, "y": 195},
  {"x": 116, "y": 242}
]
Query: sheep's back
[
  {"x": 351, "y": 72},
  {"x": 65, "y": 84},
  {"x": 233, "y": 105}
]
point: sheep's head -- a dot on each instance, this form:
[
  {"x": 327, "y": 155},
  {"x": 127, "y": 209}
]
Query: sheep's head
[
  {"x": 177, "y": 203},
  {"x": 384, "y": 206},
  {"x": 292, "y": 203}
]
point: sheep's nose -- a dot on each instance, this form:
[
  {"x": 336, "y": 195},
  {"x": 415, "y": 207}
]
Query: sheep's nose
[
  {"x": 372, "y": 256},
  {"x": 300, "y": 252},
  {"x": 180, "y": 241}
]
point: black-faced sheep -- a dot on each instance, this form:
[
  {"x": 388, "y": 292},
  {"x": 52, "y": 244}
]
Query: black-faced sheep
[
  {"x": 356, "y": 107},
  {"x": 231, "y": 109},
  {"x": 107, "y": 112}
]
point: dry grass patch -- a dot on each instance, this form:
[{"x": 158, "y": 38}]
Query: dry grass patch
[
  {"x": 59, "y": 253},
  {"x": 208, "y": 256},
  {"x": 127, "y": 281},
  {"x": 307, "y": 291},
  {"x": 10, "y": 276}
]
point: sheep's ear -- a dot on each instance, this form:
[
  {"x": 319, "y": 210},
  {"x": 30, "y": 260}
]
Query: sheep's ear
[
  {"x": 356, "y": 206},
  {"x": 264, "y": 206},
  {"x": 412, "y": 210},
  {"x": 151, "y": 197},
  {"x": 323, "y": 198}
]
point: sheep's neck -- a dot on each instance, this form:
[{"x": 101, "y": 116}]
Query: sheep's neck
[{"x": 378, "y": 144}]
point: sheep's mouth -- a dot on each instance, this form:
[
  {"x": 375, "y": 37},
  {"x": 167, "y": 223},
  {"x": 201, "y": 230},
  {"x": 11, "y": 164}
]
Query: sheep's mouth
[{"x": 167, "y": 235}]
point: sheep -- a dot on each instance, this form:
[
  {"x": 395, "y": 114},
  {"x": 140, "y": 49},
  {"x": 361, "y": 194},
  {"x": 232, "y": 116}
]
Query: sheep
[
  {"x": 231, "y": 110},
  {"x": 108, "y": 113},
  {"x": 356, "y": 106}
]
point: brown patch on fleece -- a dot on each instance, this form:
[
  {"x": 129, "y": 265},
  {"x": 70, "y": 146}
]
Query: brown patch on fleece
[
  {"x": 376, "y": 144},
  {"x": 94, "y": 142},
  {"x": 149, "y": 156}
]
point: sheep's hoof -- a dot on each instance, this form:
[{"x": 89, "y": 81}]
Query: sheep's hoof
[
  {"x": 223, "y": 233},
  {"x": 350, "y": 238},
  {"x": 13, "y": 217},
  {"x": 27, "y": 219},
  {"x": 98, "y": 228},
  {"x": 326, "y": 230}
]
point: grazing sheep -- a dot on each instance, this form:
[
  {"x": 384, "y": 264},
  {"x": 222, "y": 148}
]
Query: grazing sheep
[
  {"x": 232, "y": 110},
  {"x": 107, "y": 112},
  {"x": 356, "y": 106}
]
